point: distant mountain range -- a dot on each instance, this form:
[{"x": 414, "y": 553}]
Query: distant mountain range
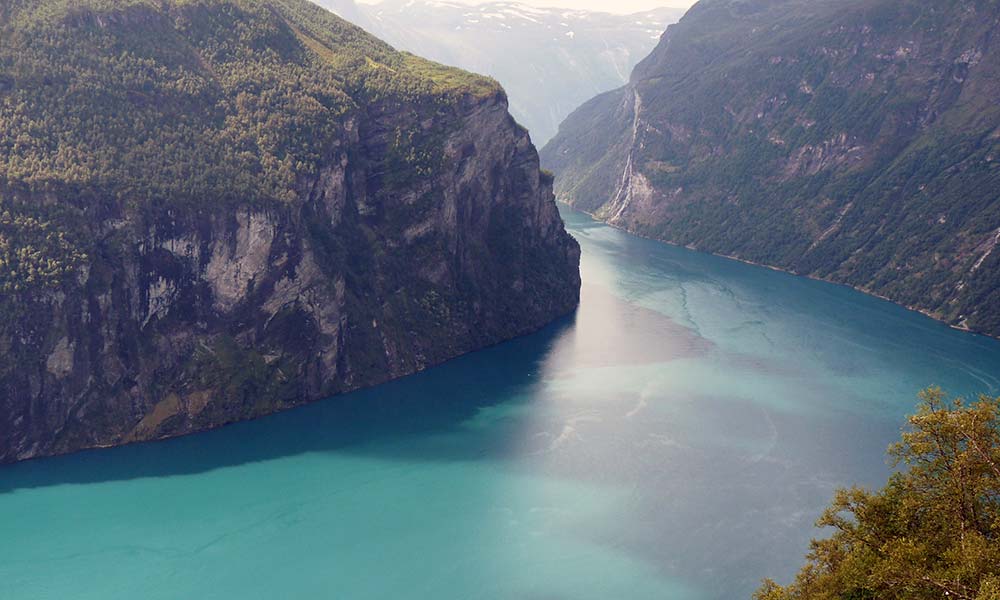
[
  {"x": 856, "y": 141},
  {"x": 549, "y": 60}
]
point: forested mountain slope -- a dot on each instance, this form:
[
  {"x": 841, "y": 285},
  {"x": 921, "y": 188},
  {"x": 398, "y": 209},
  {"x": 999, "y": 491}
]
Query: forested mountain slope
[
  {"x": 215, "y": 209},
  {"x": 852, "y": 140}
]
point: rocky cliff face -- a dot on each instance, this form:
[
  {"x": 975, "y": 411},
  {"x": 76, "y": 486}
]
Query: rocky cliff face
[
  {"x": 421, "y": 230},
  {"x": 856, "y": 141}
]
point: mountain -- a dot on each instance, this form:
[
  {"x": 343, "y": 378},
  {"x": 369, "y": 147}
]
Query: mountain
[
  {"x": 212, "y": 210},
  {"x": 856, "y": 141},
  {"x": 549, "y": 60}
]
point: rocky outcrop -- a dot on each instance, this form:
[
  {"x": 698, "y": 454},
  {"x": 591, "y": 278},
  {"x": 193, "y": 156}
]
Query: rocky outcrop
[
  {"x": 850, "y": 141},
  {"x": 183, "y": 317}
]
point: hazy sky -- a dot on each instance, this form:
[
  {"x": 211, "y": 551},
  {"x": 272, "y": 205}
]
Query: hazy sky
[{"x": 616, "y": 6}]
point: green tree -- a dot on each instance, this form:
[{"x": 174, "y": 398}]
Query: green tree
[{"x": 932, "y": 532}]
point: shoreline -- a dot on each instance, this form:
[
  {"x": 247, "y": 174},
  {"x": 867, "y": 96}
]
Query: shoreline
[{"x": 745, "y": 261}]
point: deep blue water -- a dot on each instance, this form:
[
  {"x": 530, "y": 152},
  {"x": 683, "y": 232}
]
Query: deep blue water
[{"x": 676, "y": 438}]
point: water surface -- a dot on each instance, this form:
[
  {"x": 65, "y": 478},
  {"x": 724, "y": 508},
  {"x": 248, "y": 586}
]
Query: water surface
[{"x": 676, "y": 438}]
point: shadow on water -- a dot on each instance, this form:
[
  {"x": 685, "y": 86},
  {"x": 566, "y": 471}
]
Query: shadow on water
[
  {"x": 435, "y": 401},
  {"x": 691, "y": 420}
]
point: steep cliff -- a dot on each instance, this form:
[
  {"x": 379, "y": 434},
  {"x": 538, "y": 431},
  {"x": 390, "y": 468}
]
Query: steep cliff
[
  {"x": 211, "y": 210},
  {"x": 852, "y": 140}
]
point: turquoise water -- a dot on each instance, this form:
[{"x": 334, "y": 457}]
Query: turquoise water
[{"x": 676, "y": 438}]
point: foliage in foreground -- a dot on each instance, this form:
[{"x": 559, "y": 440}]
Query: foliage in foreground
[{"x": 932, "y": 532}]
